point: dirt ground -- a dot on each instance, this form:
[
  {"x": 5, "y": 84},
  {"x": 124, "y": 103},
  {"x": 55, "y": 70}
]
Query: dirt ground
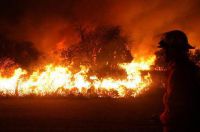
[{"x": 81, "y": 114}]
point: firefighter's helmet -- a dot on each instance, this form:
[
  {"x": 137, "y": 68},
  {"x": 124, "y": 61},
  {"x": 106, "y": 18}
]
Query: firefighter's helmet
[{"x": 174, "y": 39}]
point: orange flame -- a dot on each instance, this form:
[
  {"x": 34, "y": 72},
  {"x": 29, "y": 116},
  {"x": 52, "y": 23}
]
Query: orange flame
[{"x": 59, "y": 80}]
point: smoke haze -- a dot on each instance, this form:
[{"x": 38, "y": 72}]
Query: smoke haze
[{"x": 48, "y": 22}]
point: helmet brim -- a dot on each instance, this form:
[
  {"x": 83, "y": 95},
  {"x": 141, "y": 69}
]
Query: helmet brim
[
  {"x": 187, "y": 46},
  {"x": 190, "y": 46}
]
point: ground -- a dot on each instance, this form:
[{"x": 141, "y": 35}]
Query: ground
[{"x": 80, "y": 114}]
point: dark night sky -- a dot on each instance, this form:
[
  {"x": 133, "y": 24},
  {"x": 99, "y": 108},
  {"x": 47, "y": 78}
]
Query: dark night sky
[{"x": 46, "y": 22}]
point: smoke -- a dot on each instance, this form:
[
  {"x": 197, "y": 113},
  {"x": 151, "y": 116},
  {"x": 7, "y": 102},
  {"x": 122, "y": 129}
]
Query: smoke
[{"x": 48, "y": 22}]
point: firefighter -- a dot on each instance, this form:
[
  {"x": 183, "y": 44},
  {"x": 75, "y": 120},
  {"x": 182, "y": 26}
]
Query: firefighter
[{"x": 182, "y": 87}]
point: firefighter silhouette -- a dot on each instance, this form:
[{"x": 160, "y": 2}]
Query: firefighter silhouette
[{"x": 182, "y": 84}]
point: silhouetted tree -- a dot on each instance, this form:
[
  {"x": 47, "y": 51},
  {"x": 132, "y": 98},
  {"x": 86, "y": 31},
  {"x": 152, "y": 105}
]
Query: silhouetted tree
[
  {"x": 100, "y": 47},
  {"x": 23, "y": 53}
]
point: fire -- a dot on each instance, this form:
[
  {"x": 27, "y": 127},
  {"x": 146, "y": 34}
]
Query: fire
[{"x": 60, "y": 80}]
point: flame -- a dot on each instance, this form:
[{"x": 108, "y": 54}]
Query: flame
[{"x": 60, "y": 80}]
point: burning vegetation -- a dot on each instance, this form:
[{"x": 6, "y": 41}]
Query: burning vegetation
[
  {"x": 90, "y": 61},
  {"x": 102, "y": 49},
  {"x": 100, "y": 65}
]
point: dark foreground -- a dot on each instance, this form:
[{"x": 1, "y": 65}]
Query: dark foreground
[{"x": 80, "y": 114}]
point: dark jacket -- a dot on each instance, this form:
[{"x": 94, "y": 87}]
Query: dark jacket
[{"x": 181, "y": 95}]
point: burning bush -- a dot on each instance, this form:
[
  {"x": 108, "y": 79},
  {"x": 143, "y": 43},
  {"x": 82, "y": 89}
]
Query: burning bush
[
  {"x": 99, "y": 65},
  {"x": 102, "y": 49}
]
